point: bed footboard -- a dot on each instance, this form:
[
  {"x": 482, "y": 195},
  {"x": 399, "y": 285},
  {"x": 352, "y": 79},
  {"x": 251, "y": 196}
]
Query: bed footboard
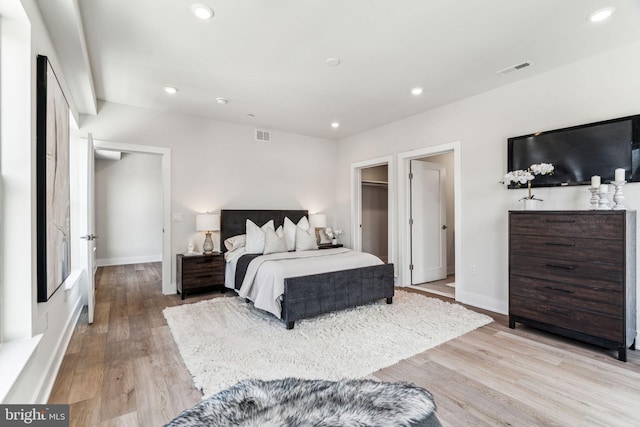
[{"x": 309, "y": 296}]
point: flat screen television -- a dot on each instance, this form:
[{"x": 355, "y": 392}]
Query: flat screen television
[{"x": 579, "y": 152}]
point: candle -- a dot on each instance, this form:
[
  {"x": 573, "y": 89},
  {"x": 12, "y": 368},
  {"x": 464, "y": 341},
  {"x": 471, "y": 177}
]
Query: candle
[
  {"x": 619, "y": 174},
  {"x": 595, "y": 181},
  {"x": 604, "y": 188}
]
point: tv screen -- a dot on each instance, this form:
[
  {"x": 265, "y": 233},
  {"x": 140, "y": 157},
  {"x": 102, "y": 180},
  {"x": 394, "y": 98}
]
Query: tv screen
[{"x": 579, "y": 152}]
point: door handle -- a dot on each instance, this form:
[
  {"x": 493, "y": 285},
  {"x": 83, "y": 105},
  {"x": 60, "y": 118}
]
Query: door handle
[
  {"x": 89, "y": 237},
  {"x": 444, "y": 227}
]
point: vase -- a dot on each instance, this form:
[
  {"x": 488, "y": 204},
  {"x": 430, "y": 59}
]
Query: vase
[
  {"x": 531, "y": 204},
  {"x": 334, "y": 241}
]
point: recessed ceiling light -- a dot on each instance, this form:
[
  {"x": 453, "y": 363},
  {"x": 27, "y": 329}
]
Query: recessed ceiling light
[
  {"x": 170, "y": 90},
  {"x": 335, "y": 125},
  {"x": 601, "y": 14},
  {"x": 333, "y": 62},
  {"x": 417, "y": 91},
  {"x": 202, "y": 11},
  {"x": 251, "y": 116},
  {"x": 222, "y": 101}
]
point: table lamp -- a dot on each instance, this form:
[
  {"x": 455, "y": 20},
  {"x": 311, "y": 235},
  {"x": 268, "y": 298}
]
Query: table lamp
[{"x": 207, "y": 222}]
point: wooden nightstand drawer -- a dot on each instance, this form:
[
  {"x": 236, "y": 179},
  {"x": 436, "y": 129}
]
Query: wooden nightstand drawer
[{"x": 199, "y": 272}]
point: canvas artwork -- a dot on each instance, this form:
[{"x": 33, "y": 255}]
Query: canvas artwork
[{"x": 53, "y": 191}]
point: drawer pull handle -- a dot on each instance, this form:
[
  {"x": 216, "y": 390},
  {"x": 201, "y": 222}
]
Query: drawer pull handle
[
  {"x": 558, "y": 290},
  {"x": 569, "y": 245},
  {"x": 204, "y": 276},
  {"x": 562, "y": 267},
  {"x": 563, "y": 313},
  {"x": 563, "y": 221}
]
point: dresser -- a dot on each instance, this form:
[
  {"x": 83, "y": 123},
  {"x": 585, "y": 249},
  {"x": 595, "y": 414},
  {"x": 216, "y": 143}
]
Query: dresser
[
  {"x": 196, "y": 273},
  {"x": 573, "y": 273}
]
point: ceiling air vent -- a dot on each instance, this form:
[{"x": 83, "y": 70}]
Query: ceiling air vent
[
  {"x": 514, "y": 68},
  {"x": 263, "y": 135}
]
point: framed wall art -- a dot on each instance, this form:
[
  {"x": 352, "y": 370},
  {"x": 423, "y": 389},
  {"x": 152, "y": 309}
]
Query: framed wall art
[{"x": 52, "y": 182}]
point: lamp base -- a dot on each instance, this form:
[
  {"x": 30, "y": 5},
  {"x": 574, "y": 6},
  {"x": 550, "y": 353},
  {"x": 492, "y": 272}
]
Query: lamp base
[{"x": 207, "y": 246}]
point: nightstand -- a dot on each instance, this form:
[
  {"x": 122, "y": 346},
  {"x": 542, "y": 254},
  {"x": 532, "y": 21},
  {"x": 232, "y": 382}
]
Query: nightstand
[
  {"x": 329, "y": 245},
  {"x": 196, "y": 273}
]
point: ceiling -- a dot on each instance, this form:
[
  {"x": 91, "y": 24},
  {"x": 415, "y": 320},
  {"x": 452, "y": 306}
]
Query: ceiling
[{"x": 267, "y": 57}]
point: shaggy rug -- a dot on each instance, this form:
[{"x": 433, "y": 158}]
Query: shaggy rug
[
  {"x": 225, "y": 340},
  {"x": 296, "y": 402}
]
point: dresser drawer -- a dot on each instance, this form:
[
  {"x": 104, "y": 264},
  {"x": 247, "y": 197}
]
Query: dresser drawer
[
  {"x": 569, "y": 248},
  {"x": 591, "y": 299},
  {"x": 571, "y": 318},
  {"x": 601, "y": 226},
  {"x": 606, "y": 276},
  {"x": 202, "y": 279}
]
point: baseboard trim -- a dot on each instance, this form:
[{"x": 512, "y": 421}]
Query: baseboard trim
[
  {"x": 43, "y": 391},
  {"x": 481, "y": 301},
  {"x": 105, "y": 262}
]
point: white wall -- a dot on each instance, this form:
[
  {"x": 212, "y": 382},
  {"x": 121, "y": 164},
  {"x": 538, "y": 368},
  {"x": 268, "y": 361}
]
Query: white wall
[
  {"x": 217, "y": 165},
  {"x": 23, "y": 318},
  {"x": 128, "y": 209},
  {"x": 599, "y": 88}
]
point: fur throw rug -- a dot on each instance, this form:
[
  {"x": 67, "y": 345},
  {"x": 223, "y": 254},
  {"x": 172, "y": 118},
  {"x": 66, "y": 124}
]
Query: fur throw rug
[{"x": 297, "y": 402}]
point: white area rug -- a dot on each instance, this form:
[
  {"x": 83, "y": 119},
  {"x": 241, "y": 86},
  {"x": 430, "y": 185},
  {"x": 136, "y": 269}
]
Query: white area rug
[{"x": 226, "y": 340}]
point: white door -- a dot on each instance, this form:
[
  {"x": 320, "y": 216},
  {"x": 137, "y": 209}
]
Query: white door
[
  {"x": 428, "y": 222},
  {"x": 87, "y": 201}
]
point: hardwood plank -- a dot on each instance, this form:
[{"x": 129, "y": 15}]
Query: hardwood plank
[
  {"x": 154, "y": 406},
  {"x": 126, "y": 420},
  {"x": 63, "y": 383},
  {"x": 126, "y": 370}
]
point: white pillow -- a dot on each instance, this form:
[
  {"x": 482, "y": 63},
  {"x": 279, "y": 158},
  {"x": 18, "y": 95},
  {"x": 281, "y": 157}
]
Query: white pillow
[
  {"x": 235, "y": 242},
  {"x": 306, "y": 239},
  {"x": 290, "y": 231},
  {"x": 273, "y": 242},
  {"x": 255, "y": 236}
]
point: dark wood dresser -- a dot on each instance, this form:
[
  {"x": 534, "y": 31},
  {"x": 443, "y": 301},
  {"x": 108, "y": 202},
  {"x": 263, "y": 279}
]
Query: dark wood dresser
[
  {"x": 199, "y": 273},
  {"x": 573, "y": 273}
]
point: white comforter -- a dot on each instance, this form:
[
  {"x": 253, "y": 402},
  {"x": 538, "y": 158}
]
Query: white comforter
[{"x": 264, "y": 281}]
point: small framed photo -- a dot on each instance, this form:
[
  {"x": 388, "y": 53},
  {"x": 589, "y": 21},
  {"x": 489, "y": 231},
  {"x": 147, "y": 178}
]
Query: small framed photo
[{"x": 321, "y": 236}]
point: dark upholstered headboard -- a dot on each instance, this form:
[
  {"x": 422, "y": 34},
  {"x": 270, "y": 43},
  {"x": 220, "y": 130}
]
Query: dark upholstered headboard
[{"x": 233, "y": 222}]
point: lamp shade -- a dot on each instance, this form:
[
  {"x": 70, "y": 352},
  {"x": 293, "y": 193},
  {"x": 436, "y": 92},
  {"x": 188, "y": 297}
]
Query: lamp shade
[
  {"x": 318, "y": 220},
  {"x": 207, "y": 222}
]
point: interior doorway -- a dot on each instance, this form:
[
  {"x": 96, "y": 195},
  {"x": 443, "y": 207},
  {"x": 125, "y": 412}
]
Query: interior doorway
[
  {"x": 430, "y": 219},
  {"x": 375, "y": 211},
  {"x": 168, "y": 287},
  {"x": 372, "y": 208}
]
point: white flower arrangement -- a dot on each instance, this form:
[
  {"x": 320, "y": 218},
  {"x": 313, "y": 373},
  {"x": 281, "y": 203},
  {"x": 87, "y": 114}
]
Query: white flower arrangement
[
  {"x": 333, "y": 233},
  {"x": 520, "y": 177}
]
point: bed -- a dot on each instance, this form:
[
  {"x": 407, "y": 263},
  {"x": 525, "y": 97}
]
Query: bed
[{"x": 310, "y": 295}]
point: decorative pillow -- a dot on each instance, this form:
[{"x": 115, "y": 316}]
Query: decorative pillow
[
  {"x": 255, "y": 236},
  {"x": 235, "y": 242},
  {"x": 306, "y": 239},
  {"x": 273, "y": 242},
  {"x": 290, "y": 231}
]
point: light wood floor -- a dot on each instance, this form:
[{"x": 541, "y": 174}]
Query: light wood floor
[{"x": 125, "y": 369}]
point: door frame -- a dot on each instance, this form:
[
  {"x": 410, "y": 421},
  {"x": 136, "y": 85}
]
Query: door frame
[
  {"x": 356, "y": 203},
  {"x": 168, "y": 287},
  {"x": 404, "y": 198}
]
